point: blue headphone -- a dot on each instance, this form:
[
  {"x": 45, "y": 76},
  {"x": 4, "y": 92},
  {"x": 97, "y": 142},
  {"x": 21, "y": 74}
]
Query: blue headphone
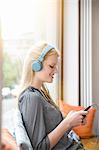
[{"x": 37, "y": 64}]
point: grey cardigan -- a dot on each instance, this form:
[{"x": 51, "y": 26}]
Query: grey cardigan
[{"x": 40, "y": 118}]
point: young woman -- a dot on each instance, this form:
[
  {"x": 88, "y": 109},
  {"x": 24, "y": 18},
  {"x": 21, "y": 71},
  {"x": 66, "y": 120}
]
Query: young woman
[{"x": 44, "y": 123}]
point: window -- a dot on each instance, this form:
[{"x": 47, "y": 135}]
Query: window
[{"x": 24, "y": 23}]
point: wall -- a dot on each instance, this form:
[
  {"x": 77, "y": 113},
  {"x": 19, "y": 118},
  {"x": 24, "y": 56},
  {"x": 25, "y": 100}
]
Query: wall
[
  {"x": 95, "y": 60},
  {"x": 95, "y": 51},
  {"x": 71, "y": 52}
]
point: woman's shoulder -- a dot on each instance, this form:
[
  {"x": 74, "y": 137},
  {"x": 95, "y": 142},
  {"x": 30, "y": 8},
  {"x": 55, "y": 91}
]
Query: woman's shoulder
[{"x": 30, "y": 94}]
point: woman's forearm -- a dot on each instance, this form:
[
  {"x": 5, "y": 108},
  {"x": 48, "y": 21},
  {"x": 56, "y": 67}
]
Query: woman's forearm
[{"x": 58, "y": 132}]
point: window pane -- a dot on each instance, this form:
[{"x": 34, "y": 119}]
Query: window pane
[{"x": 24, "y": 23}]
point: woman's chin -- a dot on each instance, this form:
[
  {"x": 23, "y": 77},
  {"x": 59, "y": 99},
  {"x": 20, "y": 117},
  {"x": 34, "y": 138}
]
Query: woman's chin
[{"x": 50, "y": 81}]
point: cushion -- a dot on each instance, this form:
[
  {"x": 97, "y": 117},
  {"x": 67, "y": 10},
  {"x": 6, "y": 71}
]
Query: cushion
[
  {"x": 22, "y": 138},
  {"x": 7, "y": 140},
  {"x": 84, "y": 131}
]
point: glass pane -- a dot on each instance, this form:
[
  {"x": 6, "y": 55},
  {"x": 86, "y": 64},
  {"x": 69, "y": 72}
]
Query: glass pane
[{"x": 23, "y": 24}]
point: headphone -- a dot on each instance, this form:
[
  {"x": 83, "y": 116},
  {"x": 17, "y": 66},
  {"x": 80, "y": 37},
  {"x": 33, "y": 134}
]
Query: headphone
[{"x": 37, "y": 64}]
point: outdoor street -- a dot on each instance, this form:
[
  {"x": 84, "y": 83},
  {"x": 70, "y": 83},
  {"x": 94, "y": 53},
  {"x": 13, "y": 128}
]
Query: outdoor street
[{"x": 8, "y": 106}]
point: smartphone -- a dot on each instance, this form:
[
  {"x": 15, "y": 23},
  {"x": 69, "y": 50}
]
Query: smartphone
[{"x": 86, "y": 109}]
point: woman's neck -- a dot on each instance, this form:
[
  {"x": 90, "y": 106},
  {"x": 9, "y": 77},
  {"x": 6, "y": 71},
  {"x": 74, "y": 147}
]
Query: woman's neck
[{"x": 37, "y": 84}]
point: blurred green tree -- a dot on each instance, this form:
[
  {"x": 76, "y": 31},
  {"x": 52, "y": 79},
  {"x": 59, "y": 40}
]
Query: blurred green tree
[{"x": 11, "y": 71}]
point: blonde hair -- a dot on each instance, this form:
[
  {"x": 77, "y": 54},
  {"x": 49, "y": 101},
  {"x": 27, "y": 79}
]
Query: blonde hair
[{"x": 28, "y": 74}]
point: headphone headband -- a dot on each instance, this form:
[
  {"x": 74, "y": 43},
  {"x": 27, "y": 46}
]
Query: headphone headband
[{"x": 44, "y": 52}]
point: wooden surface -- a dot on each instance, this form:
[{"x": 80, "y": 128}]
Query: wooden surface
[{"x": 91, "y": 143}]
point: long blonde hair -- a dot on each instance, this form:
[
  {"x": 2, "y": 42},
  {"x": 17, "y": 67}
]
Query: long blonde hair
[{"x": 28, "y": 74}]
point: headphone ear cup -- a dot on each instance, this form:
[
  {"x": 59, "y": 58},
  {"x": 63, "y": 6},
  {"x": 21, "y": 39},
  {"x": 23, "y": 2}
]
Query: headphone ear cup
[{"x": 36, "y": 66}]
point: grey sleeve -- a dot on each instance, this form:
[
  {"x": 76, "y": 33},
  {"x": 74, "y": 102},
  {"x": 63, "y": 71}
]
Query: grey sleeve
[{"x": 32, "y": 111}]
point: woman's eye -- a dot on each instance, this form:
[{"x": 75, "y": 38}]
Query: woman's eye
[{"x": 51, "y": 66}]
